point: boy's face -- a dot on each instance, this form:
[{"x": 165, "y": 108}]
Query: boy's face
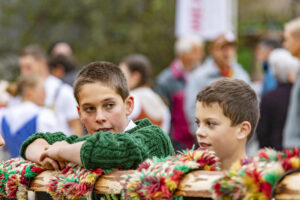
[
  {"x": 102, "y": 109},
  {"x": 214, "y": 131}
]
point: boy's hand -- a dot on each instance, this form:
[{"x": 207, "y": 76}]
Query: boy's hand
[
  {"x": 54, "y": 152},
  {"x": 49, "y": 163},
  {"x": 61, "y": 152}
]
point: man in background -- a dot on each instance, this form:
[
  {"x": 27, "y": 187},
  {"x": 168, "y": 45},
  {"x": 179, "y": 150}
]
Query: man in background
[
  {"x": 291, "y": 133},
  {"x": 221, "y": 63}
]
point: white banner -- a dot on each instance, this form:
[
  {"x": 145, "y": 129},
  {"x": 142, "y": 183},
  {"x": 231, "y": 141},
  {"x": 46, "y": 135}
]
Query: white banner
[{"x": 206, "y": 18}]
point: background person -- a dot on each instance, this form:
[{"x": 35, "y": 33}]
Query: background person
[
  {"x": 59, "y": 96},
  {"x": 220, "y": 63},
  {"x": 274, "y": 103},
  {"x": 61, "y": 66},
  {"x": 147, "y": 103},
  {"x": 20, "y": 121},
  {"x": 262, "y": 52},
  {"x": 171, "y": 85},
  {"x": 291, "y": 135}
]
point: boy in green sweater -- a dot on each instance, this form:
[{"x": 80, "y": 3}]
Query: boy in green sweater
[
  {"x": 114, "y": 141},
  {"x": 227, "y": 112}
]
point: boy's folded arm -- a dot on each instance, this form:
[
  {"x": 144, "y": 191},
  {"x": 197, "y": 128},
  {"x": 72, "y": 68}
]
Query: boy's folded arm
[
  {"x": 63, "y": 151},
  {"x": 71, "y": 153},
  {"x": 50, "y": 138},
  {"x": 124, "y": 150}
]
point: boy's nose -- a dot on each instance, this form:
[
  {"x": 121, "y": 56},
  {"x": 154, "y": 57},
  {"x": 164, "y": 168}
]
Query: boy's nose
[
  {"x": 200, "y": 132},
  {"x": 100, "y": 116}
]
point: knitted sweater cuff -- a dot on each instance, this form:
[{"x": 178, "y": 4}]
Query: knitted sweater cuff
[
  {"x": 49, "y": 137},
  {"x": 86, "y": 153}
]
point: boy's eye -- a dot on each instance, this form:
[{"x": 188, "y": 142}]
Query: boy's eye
[
  {"x": 211, "y": 124},
  {"x": 109, "y": 105},
  {"x": 197, "y": 123},
  {"x": 88, "y": 109}
]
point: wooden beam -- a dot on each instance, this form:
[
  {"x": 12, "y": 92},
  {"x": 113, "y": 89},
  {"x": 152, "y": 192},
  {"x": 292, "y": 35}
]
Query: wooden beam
[
  {"x": 194, "y": 184},
  {"x": 288, "y": 187}
]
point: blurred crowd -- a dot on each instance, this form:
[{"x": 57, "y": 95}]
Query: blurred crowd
[{"x": 41, "y": 99}]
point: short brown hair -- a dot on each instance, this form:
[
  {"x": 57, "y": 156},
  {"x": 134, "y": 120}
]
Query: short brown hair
[
  {"x": 237, "y": 99},
  {"x": 104, "y": 72},
  {"x": 139, "y": 63},
  {"x": 35, "y": 51}
]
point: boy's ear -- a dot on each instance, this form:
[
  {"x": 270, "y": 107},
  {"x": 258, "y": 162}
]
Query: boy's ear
[
  {"x": 129, "y": 105},
  {"x": 244, "y": 130},
  {"x": 79, "y": 112}
]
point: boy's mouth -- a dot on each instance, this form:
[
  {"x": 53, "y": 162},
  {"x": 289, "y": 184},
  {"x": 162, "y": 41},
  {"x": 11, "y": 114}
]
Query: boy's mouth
[
  {"x": 204, "y": 146},
  {"x": 104, "y": 129}
]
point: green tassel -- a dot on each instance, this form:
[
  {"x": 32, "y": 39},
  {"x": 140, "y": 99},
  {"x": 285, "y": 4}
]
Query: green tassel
[
  {"x": 29, "y": 173},
  {"x": 271, "y": 178},
  {"x": 106, "y": 171},
  {"x": 178, "y": 197},
  {"x": 183, "y": 168},
  {"x": 161, "y": 159},
  {"x": 107, "y": 196},
  {"x": 122, "y": 195}
]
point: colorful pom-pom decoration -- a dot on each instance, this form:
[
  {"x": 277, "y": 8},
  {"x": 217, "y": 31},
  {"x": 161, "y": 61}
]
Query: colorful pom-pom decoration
[
  {"x": 15, "y": 177},
  {"x": 73, "y": 182},
  {"x": 159, "y": 178},
  {"x": 255, "y": 179}
]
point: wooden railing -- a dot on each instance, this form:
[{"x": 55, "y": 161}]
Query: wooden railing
[{"x": 194, "y": 184}]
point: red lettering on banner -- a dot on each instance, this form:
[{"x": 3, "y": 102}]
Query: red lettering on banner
[{"x": 196, "y": 15}]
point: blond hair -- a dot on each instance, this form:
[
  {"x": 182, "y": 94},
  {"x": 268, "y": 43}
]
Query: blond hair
[
  {"x": 293, "y": 26},
  {"x": 27, "y": 81}
]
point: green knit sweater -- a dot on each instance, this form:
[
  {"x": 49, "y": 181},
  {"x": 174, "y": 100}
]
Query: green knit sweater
[{"x": 115, "y": 150}]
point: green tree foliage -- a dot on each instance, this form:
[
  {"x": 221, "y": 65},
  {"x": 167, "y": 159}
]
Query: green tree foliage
[
  {"x": 111, "y": 29},
  {"x": 96, "y": 29}
]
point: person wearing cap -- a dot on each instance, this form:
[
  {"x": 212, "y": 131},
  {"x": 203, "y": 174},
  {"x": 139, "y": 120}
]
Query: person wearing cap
[{"x": 221, "y": 63}]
